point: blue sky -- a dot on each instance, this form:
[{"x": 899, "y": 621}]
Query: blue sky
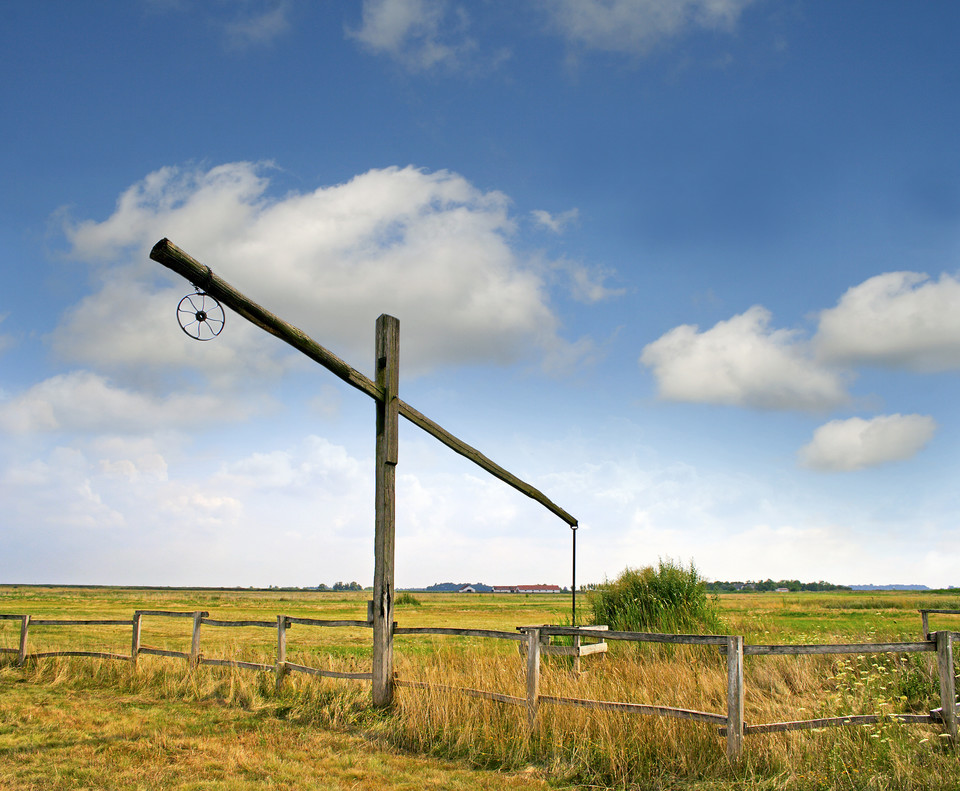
[{"x": 689, "y": 267}]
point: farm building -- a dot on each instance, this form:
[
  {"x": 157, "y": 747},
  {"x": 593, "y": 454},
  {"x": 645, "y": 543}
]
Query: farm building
[{"x": 527, "y": 589}]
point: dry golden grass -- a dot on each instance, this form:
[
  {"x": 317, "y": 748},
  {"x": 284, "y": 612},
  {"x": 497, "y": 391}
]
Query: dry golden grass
[{"x": 570, "y": 745}]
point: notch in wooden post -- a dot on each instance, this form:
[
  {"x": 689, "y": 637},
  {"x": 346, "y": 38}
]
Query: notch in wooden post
[
  {"x": 734, "y": 698},
  {"x": 195, "y": 638},
  {"x": 281, "y": 669},
  {"x": 135, "y": 641},
  {"x": 24, "y": 628},
  {"x": 948, "y": 690}
]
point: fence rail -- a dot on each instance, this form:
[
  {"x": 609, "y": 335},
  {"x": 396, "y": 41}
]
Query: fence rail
[{"x": 534, "y": 642}]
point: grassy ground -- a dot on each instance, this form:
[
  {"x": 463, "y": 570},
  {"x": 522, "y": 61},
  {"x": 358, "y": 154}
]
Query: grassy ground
[
  {"x": 56, "y": 735},
  {"x": 236, "y": 732}
]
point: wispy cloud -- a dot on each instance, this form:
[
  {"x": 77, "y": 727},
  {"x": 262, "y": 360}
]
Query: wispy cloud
[
  {"x": 420, "y": 34},
  {"x": 257, "y": 28},
  {"x": 637, "y": 26},
  {"x": 555, "y": 222}
]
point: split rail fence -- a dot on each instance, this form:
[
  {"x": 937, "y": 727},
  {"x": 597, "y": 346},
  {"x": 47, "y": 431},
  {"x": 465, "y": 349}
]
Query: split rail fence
[{"x": 534, "y": 642}]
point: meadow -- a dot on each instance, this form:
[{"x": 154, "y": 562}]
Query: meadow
[{"x": 85, "y": 723}]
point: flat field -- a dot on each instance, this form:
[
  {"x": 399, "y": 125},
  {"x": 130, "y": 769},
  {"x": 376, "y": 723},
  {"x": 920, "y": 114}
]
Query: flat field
[{"x": 85, "y": 723}]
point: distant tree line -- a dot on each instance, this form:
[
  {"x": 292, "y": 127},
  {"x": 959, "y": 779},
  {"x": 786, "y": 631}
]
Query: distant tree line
[
  {"x": 771, "y": 585},
  {"x": 341, "y": 586}
]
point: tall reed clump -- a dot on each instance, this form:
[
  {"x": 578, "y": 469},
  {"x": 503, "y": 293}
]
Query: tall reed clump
[{"x": 669, "y": 598}]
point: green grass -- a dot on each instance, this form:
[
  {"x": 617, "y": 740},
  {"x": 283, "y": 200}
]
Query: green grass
[
  {"x": 87, "y": 724},
  {"x": 669, "y": 598}
]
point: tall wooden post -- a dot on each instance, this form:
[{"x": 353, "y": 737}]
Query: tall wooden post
[
  {"x": 388, "y": 420},
  {"x": 734, "y": 698}
]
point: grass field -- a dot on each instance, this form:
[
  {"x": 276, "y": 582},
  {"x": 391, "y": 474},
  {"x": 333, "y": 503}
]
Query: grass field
[{"x": 84, "y": 723}]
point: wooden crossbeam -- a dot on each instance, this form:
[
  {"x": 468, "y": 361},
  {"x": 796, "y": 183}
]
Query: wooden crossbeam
[{"x": 175, "y": 259}]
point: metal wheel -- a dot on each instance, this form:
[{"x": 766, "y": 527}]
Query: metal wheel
[{"x": 200, "y": 316}]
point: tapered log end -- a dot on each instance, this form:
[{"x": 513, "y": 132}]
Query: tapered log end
[{"x": 160, "y": 248}]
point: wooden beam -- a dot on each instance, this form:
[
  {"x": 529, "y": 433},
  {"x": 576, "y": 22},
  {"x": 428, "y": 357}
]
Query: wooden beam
[
  {"x": 172, "y": 257},
  {"x": 465, "y": 450},
  {"x": 175, "y": 259}
]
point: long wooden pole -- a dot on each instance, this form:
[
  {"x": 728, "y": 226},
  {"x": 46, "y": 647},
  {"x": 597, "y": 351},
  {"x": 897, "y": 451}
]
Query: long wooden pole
[
  {"x": 388, "y": 420},
  {"x": 175, "y": 259}
]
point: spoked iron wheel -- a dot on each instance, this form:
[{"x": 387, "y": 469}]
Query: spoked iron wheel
[{"x": 201, "y": 316}]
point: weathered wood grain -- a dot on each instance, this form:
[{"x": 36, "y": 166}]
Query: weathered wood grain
[
  {"x": 315, "y": 671},
  {"x": 384, "y": 540},
  {"x": 453, "y": 632},
  {"x": 94, "y": 654},
  {"x": 57, "y": 622},
  {"x": 163, "y": 652},
  {"x": 833, "y": 722},
  {"x": 734, "y": 698},
  {"x": 212, "y": 622},
  {"x": 237, "y": 663},
  {"x": 323, "y": 622},
  {"x": 469, "y": 692},
  {"x": 636, "y": 708},
  {"x": 840, "y": 648}
]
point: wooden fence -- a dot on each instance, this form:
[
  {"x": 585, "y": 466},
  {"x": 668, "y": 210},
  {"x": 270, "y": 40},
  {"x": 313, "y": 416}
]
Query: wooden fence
[{"x": 535, "y": 642}]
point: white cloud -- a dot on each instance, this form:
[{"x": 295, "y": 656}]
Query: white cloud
[
  {"x": 258, "y": 29},
  {"x": 555, "y": 222},
  {"x": 84, "y": 401},
  {"x": 741, "y": 362},
  {"x": 853, "y": 444},
  {"x": 428, "y": 248},
  {"x": 420, "y": 34},
  {"x": 897, "y": 319},
  {"x": 6, "y": 341},
  {"x": 587, "y": 284},
  {"x": 204, "y": 206},
  {"x": 636, "y": 26}
]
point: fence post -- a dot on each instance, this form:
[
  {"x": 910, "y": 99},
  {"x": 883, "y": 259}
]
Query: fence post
[
  {"x": 281, "y": 649},
  {"x": 925, "y": 618},
  {"x": 948, "y": 692},
  {"x": 533, "y": 676},
  {"x": 734, "y": 697},
  {"x": 388, "y": 419},
  {"x": 135, "y": 642},
  {"x": 195, "y": 638},
  {"x": 24, "y": 626}
]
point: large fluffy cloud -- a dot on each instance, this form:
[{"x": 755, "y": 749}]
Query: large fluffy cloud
[
  {"x": 635, "y": 26},
  {"x": 741, "y": 362},
  {"x": 428, "y": 248},
  {"x": 897, "y": 319},
  {"x": 857, "y": 443}
]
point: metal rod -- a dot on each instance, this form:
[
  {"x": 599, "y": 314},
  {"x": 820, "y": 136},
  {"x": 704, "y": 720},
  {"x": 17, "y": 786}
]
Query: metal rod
[{"x": 573, "y": 584}]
